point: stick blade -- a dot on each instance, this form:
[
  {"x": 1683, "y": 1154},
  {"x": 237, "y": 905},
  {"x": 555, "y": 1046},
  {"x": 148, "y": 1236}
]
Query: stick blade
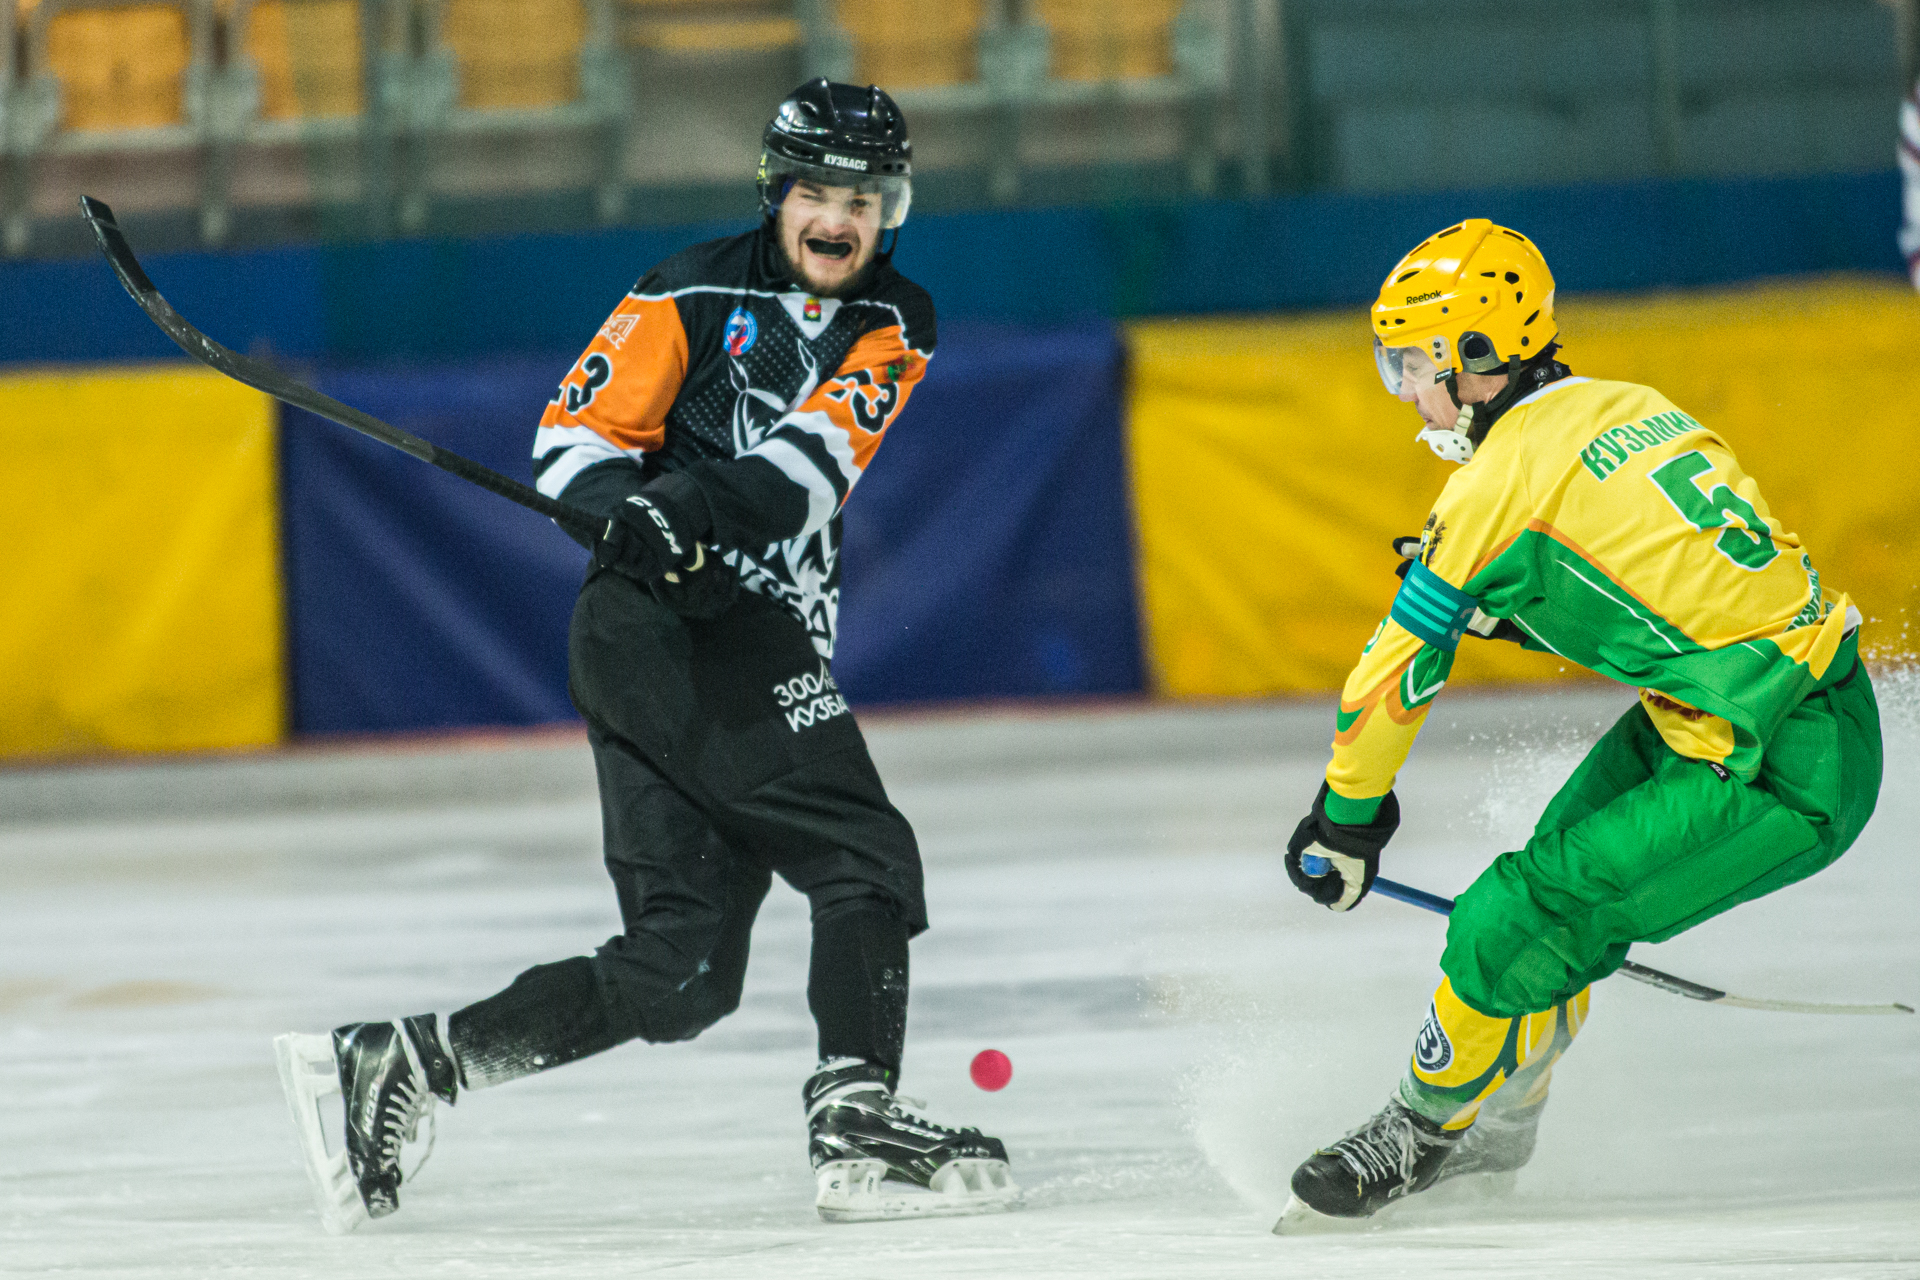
[
  {"x": 113, "y": 244},
  {"x": 1804, "y": 1006}
]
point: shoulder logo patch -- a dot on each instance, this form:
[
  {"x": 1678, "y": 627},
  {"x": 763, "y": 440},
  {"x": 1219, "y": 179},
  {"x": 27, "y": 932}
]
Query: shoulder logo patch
[
  {"x": 1432, "y": 1051},
  {"x": 741, "y": 331},
  {"x": 616, "y": 329}
]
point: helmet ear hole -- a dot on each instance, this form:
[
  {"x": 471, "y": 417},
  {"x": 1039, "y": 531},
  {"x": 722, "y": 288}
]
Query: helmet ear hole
[{"x": 1478, "y": 354}]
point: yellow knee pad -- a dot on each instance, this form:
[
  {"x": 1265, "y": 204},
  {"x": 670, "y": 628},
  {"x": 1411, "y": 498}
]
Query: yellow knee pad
[{"x": 1463, "y": 1057}]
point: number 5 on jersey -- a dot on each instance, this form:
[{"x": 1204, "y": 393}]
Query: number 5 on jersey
[{"x": 1749, "y": 543}]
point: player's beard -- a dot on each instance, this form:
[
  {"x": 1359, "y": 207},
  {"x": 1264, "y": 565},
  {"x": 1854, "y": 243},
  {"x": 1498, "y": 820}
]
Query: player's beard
[{"x": 846, "y": 287}]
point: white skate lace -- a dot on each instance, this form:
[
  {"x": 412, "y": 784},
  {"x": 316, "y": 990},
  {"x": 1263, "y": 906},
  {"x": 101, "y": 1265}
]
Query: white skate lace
[
  {"x": 914, "y": 1117},
  {"x": 1387, "y": 1144},
  {"x": 880, "y": 1101},
  {"x": 413, "y": 1102}
]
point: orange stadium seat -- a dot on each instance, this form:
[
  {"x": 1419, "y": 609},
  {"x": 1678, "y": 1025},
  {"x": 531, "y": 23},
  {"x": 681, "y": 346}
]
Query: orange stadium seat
[
  {"x": 308, "y": 56},
  {"x": 913, "y": 44},
  {"x": 121, "y": 67},
  {"x": 516, "y": 53},
  {"x": 1109, "y": 39},
  {"x": 698, "y": 27}
]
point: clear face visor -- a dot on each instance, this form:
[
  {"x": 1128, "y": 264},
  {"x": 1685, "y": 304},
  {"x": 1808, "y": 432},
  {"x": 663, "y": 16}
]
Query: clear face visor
[
  {"x": 848, "y": 190},
  {"x": 1391, "y": 361},
  {"x": 1397, "y": 364}
]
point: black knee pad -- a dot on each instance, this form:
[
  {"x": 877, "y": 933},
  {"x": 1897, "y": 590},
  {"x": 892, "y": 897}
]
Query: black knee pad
[
  {"x": 661, "y": 1002},
  {"x": 685, "y": 1012}
]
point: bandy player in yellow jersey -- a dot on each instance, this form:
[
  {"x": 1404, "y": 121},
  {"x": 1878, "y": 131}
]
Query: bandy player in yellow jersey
[{"x": 1598, "y": 521}]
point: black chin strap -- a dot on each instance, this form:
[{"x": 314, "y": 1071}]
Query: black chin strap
[{"x": 1524, "y": 377}]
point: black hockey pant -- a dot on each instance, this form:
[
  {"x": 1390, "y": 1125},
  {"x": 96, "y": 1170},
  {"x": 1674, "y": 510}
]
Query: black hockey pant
[{"x": 725, "y": 754}]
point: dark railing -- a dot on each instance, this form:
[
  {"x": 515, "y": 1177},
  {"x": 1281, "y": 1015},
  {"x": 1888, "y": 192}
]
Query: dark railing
[{"x": 444, "y": 114}]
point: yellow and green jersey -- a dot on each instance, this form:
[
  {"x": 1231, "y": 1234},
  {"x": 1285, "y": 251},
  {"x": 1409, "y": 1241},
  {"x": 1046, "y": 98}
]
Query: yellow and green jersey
[{"x": 1619, "y": 533}]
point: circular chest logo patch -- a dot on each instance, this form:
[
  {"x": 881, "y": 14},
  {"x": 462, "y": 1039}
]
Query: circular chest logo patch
[
  {"x": 1432, "y": 1051},
  {"x": 740, "y": 332}
]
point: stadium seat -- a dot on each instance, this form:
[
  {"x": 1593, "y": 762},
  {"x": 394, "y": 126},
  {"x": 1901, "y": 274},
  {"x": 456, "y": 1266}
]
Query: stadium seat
[
  {"x": 308, "y": 55},
  {"x": 119, "y": 67},
  {"x": 1108, "y": 39},
  {"x": 515, "y": 53},
  {"x": 702, "y": 27},
  {"x": 913, "y": 44}
]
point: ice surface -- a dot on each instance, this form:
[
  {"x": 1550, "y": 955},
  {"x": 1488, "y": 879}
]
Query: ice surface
[{"x": 1108, "y": 909}]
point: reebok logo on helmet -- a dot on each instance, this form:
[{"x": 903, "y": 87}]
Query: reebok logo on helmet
[{"x": 1422, "y": 297}]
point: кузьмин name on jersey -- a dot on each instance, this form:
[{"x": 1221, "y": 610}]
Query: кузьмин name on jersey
[{"x": 1606, "y": 451}]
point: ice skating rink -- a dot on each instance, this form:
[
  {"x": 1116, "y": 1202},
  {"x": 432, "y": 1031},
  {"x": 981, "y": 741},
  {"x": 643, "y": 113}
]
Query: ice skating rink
[{"x": 1109, "y": 908}]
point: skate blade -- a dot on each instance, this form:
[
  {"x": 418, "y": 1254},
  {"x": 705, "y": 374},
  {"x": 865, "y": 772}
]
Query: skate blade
[
  {"x": 857, "y": 1191},
  {"x": 309, "y": 1075},
  {"x": 1301, "y": 1219}
]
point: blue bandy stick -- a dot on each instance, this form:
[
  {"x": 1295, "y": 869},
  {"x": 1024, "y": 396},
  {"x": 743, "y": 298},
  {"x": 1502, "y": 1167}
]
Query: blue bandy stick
[{"x": 1315, "y": 865}]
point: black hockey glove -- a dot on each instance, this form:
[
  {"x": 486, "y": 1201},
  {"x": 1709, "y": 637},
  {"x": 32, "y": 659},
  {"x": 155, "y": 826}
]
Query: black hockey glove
[
  {"x": 1350, "y": 855},
  {"x": 704, "y": 589},
  {"x": 643, "y": 541},
  {"x": 1408, "y": 549}
]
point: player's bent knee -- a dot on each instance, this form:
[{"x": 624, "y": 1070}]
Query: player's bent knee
[
  {"x": 1508, "y": 955},
  {"x": 663, "y": 1015},
  {"x": 661, "y": 1002},
  {"x": 686, "y": 1014}
]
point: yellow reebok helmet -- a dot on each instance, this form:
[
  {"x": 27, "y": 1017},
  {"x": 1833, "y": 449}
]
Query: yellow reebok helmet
[{"x": 1475, "y": 297}]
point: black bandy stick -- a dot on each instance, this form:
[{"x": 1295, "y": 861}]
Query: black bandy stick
[
  {"x": 1653, "y": 977},
  {"x": 263, "y": 377}
]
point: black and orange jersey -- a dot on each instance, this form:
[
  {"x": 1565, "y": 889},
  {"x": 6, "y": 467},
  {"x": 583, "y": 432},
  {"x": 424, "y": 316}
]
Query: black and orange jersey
[{"x": 718, "y": 366}]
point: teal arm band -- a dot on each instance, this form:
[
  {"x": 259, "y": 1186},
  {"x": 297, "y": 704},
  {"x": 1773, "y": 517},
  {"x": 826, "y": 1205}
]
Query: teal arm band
[{"x": 1432, "y": 608}]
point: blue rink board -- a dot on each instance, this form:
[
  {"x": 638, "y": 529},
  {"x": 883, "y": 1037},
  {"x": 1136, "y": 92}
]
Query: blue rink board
[
  {"x": 988, "y": 551},
  {"x": 450, "y": 299}
]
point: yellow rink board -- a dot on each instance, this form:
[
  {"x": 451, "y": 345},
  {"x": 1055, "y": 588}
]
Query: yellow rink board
[
  {"x": 140, "y": 593},
  {"x": 1270, "y": 468}
]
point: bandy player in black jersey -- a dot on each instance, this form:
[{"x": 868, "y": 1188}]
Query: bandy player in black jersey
[{"x": 718, "y": 421}]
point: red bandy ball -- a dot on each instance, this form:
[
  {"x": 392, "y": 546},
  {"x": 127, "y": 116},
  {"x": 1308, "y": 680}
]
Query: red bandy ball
[{"x": 991, "y": 1070}]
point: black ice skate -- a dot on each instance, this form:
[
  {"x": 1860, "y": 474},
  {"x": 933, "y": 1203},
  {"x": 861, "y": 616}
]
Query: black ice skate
[
  {"x": 387, "y": 1076},
  {"x": 1391, "y": 1156},
  {"x": 876, "y": 1160}
]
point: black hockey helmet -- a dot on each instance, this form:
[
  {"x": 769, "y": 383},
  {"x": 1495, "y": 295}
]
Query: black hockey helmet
[{"x": 839, "y": 135}]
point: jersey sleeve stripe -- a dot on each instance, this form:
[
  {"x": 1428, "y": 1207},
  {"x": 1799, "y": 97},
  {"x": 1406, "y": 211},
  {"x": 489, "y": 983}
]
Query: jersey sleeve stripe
[
  {"x": 547, "y": 439},
  {"x": 557, "y": 470},
  {"x": 827, "y": 437}
]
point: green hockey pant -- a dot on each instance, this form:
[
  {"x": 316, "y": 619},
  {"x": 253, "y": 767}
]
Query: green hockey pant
[{"x": 1642, "y": 844}]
